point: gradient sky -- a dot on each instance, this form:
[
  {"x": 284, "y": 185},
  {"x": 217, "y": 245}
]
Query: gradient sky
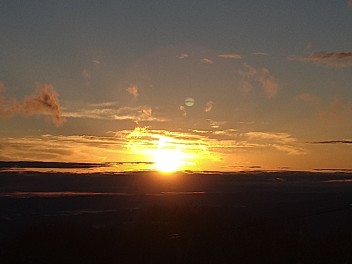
[{"x": 104, "y": 81}]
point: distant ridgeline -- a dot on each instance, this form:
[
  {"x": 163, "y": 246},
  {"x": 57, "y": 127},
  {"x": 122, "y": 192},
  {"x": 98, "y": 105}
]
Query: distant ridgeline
[{"x": 41, "y": 164}]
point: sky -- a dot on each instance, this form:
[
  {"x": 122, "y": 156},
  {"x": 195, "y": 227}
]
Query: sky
[{"x": 223, "y": 85}]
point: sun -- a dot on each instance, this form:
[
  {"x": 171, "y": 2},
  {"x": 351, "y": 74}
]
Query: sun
[{"x": 168, "y": 160}]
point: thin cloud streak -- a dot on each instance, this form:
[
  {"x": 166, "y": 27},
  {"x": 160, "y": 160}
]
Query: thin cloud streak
[
  {"x": 230, "y": 56},
  {"x": 260, "y": 53},
  {"x": 206, "y": 61},
  {"x": 331, "y": 142},
  {"x": 330, "y": 59},
  {"x": 112, "y": 111}
]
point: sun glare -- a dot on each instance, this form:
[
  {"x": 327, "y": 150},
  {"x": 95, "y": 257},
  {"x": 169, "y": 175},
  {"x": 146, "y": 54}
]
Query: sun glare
[{"x": 168, "y": 160}]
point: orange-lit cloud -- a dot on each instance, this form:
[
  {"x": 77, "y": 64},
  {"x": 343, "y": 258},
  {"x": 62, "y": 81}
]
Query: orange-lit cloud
[
  {"x": 209, "y": 106},
  {"x": 308, "y": 98},
  {"x": 262, "y": 76},
  {"x": 349, "y": 3},
  {"x": 133, "y": 90},
  {"x": 202, "y": 148},
  {"x": 206, "y": 61},
  {"x": 331, "y": 59},
  {"x": 113, "y": 111},
  {"x": 215, "y": 124},
  {"x": 230, "y": 56},
  {"x": 280, "y": 141},
  {"x": 43, "y": 102}
]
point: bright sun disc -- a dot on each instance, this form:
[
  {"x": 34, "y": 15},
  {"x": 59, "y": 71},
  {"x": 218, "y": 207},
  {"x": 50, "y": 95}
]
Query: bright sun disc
[{"x": 167, "y": 160}]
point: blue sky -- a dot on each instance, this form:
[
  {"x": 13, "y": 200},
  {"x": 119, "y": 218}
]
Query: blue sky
[{"x": 269, "y": 79}]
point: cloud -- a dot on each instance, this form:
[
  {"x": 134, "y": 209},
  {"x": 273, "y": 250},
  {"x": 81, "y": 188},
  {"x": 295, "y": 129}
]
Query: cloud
[
  {"x": 260, "y": 54},
  {"x": 261, "y": 76},
  {"x": 206, "y": 61},
  {"x": 330, "y": 59},
  {"x": 280, "y": 141},
  {"x": 8, "y": 107},
  {"x": 331, "y": 142},
  {"x": 137, "y": 145},
  {"x": 230, "y": 56},
  {"x": 308, "y": 98},
  {"x": 209, "y": 106},
  {"x": 112, "y": 111},
  {"x": 183, "y": 56},
  {"x": 183, "y": 110},
  {"x": 278, "y": 137},
  {"x": 43, "y": 102},
  {"x": 349, "y": 3},
  {"x": 216, "y": 124},
  {"x": 86, "y": 76},
  {"x": 79, "y": 148},
  {"x": 133, "y": 90}
]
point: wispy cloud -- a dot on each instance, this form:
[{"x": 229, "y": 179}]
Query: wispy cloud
[
  {"x": 183, "y": 56},
  {"x": 113, "y": 111},
  {"x": 262, "y": 76},
  {"x": 86, "y": 75},
  {"x": 215, "y": 124},
  {"x": 230, "y": 56},
  {"x": 183, "y": 110},
  {"x": 330, "y": 59},
  {"x": 260, "y": 54},
  {"x": 206, "y": 61},
  {"x": 139, "y": 144},
  {"x": 133, "y": 90},
  {"x": 280, "y": 141},
  {"x": 43, "y": 102},
  {"x": 308, "y": 98},
  {"x": 209, "y": 106}
]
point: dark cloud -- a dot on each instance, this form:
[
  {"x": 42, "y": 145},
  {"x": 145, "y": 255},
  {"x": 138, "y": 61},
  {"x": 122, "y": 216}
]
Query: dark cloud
[
  {"x": 331, "y": 142},
  {"x": 331, "y": 59}
]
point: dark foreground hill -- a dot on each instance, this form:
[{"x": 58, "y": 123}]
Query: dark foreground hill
[{"x": 276, "y": 217}]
